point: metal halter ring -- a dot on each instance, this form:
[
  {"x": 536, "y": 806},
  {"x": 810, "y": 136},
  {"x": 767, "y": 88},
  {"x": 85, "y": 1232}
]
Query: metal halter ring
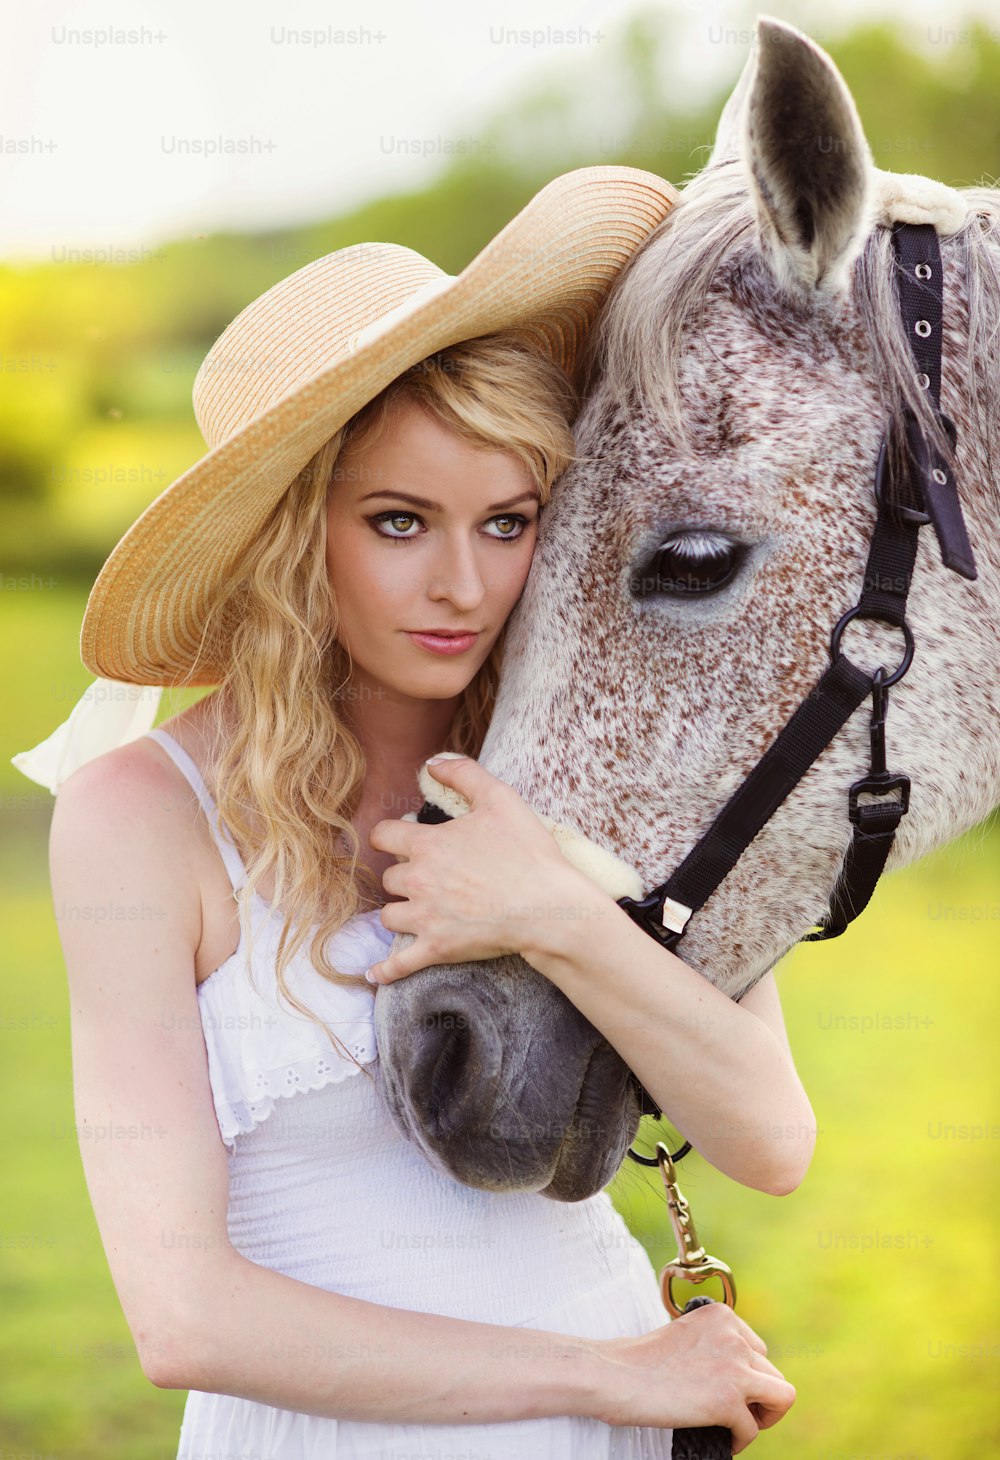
[
  {"x": 677, "y": 1155},
  {"x": 907, "y": 660}
]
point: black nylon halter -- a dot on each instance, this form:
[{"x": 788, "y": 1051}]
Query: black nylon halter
[{"x": 928, "y": 494}]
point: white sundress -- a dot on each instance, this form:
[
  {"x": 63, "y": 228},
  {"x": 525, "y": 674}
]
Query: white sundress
[{"x": 323, "y": 1188}]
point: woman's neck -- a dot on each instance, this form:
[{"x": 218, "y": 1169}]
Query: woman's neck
[{"x": 397, "y": 733}]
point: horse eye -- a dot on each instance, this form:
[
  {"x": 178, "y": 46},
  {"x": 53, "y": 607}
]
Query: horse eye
[{"x": 689, "y": 565}]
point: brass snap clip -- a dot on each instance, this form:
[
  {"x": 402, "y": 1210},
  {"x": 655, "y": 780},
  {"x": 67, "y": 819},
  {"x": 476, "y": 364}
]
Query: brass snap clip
[{"x": 692, "y": 1263}]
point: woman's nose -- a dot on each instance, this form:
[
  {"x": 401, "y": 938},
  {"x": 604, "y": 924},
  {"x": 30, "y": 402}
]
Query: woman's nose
[{"x": 457, "y": 575}]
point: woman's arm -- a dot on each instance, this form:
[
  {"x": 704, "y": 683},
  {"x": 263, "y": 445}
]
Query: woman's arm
[
  {"x": 722, "y": 1072},
  {"x": 203, "y": 1316},
  {"x": 273, "y": 1339},
  {"x": 128, "y": 905}
]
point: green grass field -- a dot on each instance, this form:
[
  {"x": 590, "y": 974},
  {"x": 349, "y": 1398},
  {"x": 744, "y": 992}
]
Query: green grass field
[{"x": 871, "y": 1283}]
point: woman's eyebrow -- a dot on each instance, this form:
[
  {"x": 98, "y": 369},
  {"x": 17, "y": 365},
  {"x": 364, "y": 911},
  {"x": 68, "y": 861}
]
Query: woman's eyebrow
[{"x": 436, "y": 507}]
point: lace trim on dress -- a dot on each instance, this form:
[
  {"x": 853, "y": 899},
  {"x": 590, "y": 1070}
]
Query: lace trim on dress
[
  {"x": 260, "y": 1049},
  {"x": 238, "y": 1117}
]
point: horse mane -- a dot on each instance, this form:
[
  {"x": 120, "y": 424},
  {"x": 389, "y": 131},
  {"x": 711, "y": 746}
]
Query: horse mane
[{"x": 654, "y": 313}]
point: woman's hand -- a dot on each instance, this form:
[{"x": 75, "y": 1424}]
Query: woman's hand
[
  {"x": 707, "y": 1367},
  {"x": 475, "y": 887}
]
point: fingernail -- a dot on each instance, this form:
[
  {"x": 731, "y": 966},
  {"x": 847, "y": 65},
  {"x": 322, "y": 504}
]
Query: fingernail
[{"x": 370, "y": 976}]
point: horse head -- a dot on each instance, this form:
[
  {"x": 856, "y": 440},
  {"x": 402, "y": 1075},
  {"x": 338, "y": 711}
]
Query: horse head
[{"x": 689, "y": 569}]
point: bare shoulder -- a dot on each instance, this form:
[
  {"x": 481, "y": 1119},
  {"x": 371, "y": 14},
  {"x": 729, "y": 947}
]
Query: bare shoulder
[
  {"x": 122, "y": 836},
  {"x": 135, "y": 780},
  {"x": 132, "y": 782}
]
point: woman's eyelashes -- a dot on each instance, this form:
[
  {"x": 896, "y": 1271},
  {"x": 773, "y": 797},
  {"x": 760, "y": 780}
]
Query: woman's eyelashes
[{"x": 522, "y": 522}]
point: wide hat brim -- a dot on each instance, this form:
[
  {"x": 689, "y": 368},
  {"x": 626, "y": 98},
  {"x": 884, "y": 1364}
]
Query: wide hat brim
[{"x": 546, "y": 274}]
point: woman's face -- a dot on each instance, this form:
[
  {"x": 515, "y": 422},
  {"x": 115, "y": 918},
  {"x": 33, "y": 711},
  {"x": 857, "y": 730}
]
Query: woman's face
[{"x": 457, "y": 559}]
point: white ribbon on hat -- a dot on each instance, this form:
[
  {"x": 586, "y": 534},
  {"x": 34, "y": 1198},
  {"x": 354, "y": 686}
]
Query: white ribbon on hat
[{"x": 108, "y": 714}]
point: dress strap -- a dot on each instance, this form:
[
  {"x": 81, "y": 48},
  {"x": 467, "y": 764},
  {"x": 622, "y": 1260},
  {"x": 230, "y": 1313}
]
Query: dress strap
[{"x": 220, "y": 833}]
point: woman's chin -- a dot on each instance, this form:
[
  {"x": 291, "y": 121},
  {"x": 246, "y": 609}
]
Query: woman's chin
[
  {"x": 437, "y": 681},
  {"x": 442, "y": 686}
]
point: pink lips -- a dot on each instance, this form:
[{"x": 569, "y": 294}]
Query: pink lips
[{"x": 441, "y": 644}]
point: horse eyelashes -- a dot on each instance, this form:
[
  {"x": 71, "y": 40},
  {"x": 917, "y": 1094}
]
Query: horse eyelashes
[{"x": 689, "y": 565}]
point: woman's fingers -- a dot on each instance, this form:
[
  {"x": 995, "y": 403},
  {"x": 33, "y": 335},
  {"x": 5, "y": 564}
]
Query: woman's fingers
[
  {"x": 768, "y": 1395},
  {"x": 765, "y": 1366},
  {"x": 771, "y": 1399},
  {"x": 766, "y": 1404},
  {"x": 753, "y": 1339},
  {"x": 720, "y": 1314},
  {"x": 391, "y": 880},
  {"x": 744, "y": 1431}
]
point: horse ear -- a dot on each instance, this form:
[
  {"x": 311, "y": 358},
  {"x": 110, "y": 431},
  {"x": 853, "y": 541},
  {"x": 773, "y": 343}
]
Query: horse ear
[
  {"x": 809, "y": 165},
  {"x": 729, "y": 133}
]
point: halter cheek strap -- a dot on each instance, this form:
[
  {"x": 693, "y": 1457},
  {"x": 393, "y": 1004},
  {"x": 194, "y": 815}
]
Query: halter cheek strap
[
  {"x": 921, "y": 305},
  {"x": 926, "y": 494}
]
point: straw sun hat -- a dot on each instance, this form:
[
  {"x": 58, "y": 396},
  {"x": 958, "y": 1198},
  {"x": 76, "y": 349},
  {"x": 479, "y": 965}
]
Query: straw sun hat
[{"x": 292, "y": 368}]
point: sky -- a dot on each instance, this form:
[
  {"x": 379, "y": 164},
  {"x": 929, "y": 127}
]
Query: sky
[{"x": 125, "y": 123}]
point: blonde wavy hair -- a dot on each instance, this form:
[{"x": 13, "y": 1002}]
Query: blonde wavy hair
[{"x": 289, "y": 778}]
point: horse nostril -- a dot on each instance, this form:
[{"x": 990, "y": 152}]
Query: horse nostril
[
  {"x": 452, "y": 1058},
  {"x": 456, "y": 1068}
]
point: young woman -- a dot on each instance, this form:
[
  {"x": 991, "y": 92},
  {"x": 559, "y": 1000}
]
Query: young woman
[{"x": 254, "y": 1270}]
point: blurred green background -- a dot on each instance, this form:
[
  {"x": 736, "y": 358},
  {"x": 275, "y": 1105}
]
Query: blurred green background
[{"x": 874, "y": 1284}]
